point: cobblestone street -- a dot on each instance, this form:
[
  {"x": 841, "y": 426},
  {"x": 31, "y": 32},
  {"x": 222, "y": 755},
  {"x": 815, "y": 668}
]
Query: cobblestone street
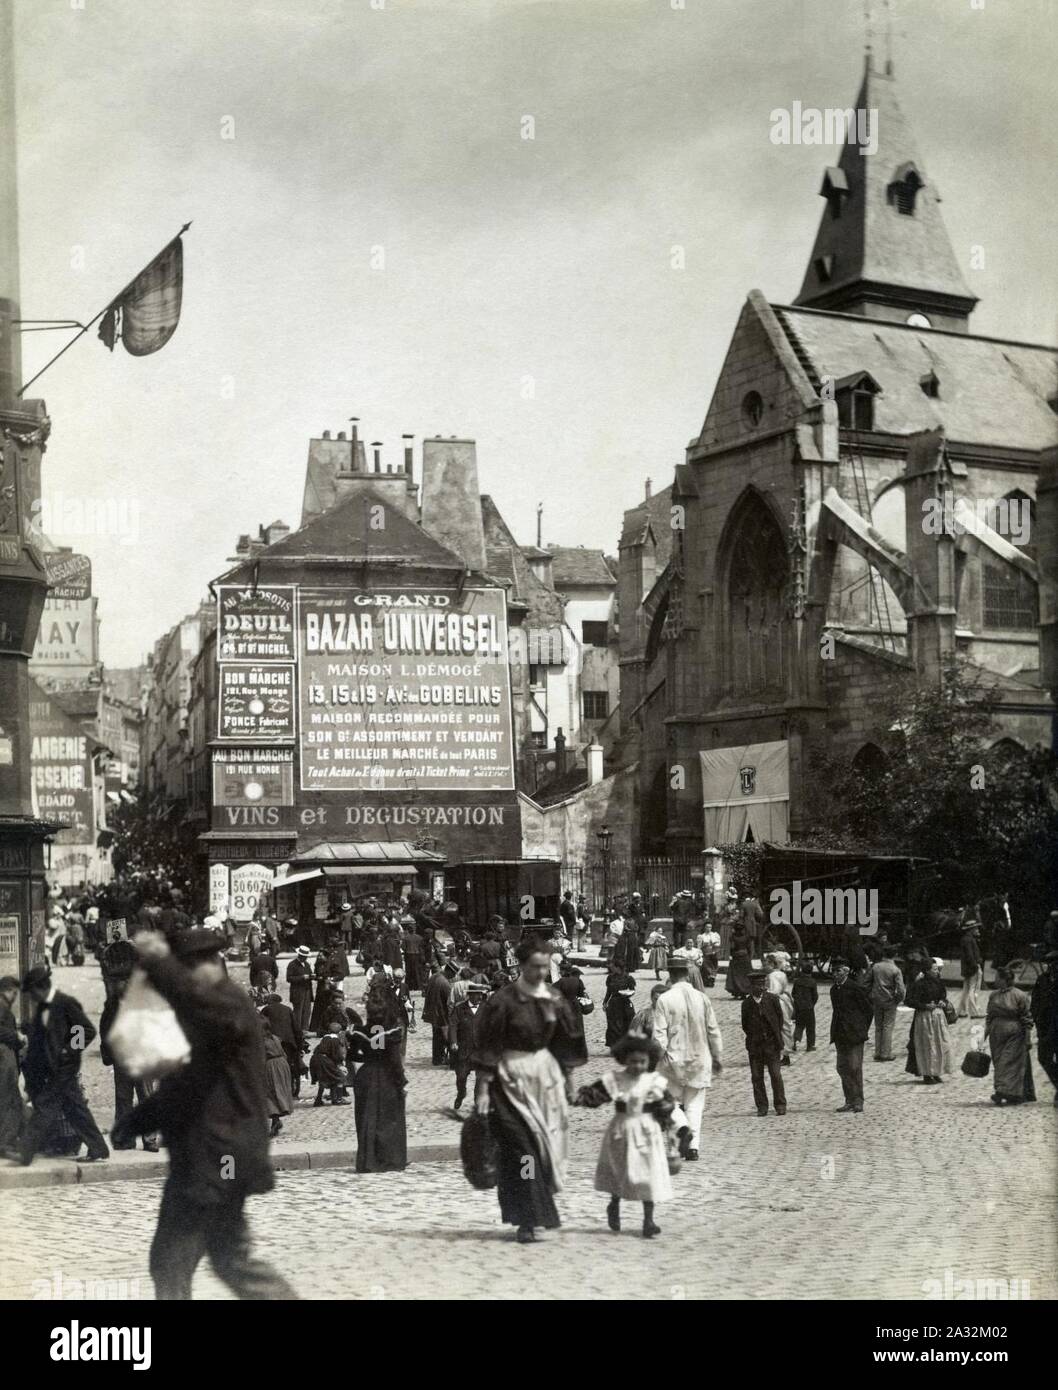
[{"x": 928, "y": 1183}]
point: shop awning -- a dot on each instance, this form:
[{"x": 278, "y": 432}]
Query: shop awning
[
  {"x": 373, "y": 871},
  {"x": 382, "y": 854},
  {"x": 286, "y": 880}
]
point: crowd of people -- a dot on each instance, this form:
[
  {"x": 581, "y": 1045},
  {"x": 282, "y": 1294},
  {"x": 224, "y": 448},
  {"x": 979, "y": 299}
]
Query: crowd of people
[{"x": 507, "y": 1019}]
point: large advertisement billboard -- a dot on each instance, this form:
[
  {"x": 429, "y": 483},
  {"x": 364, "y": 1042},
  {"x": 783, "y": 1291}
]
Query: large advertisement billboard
[
  {"x": 61, "y": 762},
  {"x": 404, "y": 690}
]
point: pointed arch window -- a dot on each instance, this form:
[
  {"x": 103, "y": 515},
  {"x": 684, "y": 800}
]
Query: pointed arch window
[{"x": 754, "y": 636}]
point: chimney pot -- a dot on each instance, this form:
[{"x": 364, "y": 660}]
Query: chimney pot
[
  {"x": 376, "y": 445},
  {"x": 326, "y": 434},
  {"x": 341, "y": 434},
  {"x": 648, "y": 489},
  {"x": 407, "y": 452}
]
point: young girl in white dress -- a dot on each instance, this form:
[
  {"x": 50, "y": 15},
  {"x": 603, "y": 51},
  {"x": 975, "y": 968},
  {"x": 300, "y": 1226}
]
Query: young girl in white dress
[{"x": 633, "y": 1161}]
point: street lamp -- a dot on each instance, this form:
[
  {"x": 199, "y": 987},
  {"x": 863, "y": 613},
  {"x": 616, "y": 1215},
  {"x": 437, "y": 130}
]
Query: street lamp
[{"x": 605, "y": 839}]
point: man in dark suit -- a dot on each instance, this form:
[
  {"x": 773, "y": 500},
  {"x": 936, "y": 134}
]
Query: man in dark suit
[
  {"x": 288, "y": 1030},
  {"x": 213, "y": 1119},
  {"x": 762, "y": 1024},
  {"x": 58, "y": 1036},
  {"x": 852, "y": 1016},
  {"x": 461, "y": 1035}
]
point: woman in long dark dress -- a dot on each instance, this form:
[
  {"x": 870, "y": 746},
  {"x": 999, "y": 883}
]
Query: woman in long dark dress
[
  {"x": 379, "y": 1084},
  {"x": 524, "y": 1055},
  {"x": 1008, "y": 1028},
  {"x": 619, "y": 1008},
  {"x": 570, "y": 985},
  {"x": 739, "y": 964}
]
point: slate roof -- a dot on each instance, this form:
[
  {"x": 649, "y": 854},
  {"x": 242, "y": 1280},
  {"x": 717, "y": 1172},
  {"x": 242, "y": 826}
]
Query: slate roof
[
  {"x": 655, "y": 513},
  {"x": 991, "y": 392},
  {"x": 577, "y": 565},
  {"x": 504, "y": 559},
  {"x": 345, "y": 530},
  {"x": 872, "y": 240}
]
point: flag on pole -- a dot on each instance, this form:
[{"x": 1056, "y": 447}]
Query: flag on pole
[{"x": 145, "y": 314}]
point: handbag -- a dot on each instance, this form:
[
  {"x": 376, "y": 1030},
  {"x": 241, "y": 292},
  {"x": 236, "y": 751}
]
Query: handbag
[
  {"x": 479, "y": 1152},
  {"x": 949, "y": 1011},
  {"x": 976, "y": 1063}
]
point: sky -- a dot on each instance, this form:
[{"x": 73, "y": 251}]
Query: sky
[{"x": 526, "y": 294}]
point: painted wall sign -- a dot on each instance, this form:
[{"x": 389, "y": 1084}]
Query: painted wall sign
[
  {"x": 61, "y": 762},
  {"x": 253, "y": 776},
  {"x": 67, "y": 635},
  {"x": 256, "y": 624},
  {"x": 256, "y": 703},
  {"x": 404, "y": 690}
]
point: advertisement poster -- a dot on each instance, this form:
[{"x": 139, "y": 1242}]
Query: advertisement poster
[
  {"x": 250, "y": 886},
  {"x": 219, "y": 887},
  {"x": 256, "y": 703},
  {"x": 407, "y": 689},
  {"x": 256, "y": 624},
  {"x": 253, "y": 776},
  {"x": 69, "y": 575}
]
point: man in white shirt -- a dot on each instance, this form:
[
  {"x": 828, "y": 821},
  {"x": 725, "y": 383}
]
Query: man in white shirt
[{"x": 692, "y": 1048}]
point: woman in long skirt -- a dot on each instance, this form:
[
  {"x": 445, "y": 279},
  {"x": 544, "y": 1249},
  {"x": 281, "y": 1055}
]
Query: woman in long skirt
[
  {"x": 1008, "y": 1028},
  {"x": 657, "y": 952},
  {"x": 929, "y": 1046},
  {"x": 524, "y": 1063},
  {"x": 278, "y": 1085},
  {"x": 380, "y": 1084},
  {"x": 778, "y": 982},
  {"x": 738, "y": 965}
]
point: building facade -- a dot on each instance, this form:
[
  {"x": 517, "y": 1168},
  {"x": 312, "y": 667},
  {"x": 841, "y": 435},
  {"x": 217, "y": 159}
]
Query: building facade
[{"x": 858, "y": 503}]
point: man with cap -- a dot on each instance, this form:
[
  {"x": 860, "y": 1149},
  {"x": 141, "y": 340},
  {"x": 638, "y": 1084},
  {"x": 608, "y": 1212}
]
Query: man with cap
[
  {"x": 692, "y": 1048},
  {"x": 58, "y": 1036},
  {"x": 970, "y": 965},
  {"x": 299, "y": 979},
  {"x": 461, "y": 1035},
  {"x": 213, "y": 1118},
  {"x": 762, "y": 1023},
  {"x": 850, "y": 1023}
]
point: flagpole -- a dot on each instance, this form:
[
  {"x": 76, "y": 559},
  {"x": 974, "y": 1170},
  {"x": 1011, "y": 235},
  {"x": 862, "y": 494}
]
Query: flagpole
[{"x": 91, "y": 322}]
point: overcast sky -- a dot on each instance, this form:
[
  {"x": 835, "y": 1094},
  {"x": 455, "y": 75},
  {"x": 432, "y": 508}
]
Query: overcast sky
[{"x": 505, "y": 259}]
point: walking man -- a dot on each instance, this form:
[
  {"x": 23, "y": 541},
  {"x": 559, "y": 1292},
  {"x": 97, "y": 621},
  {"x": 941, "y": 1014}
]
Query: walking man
[
  {"x": 12, "y": 1111},
  {"x": 692, "y": 1048},
  {"x": 568, "y": 913},
  {"x": 58, "y": 1036},
  {"x": 850, "y": 1024},
  {"x": 213, "y": 1119},
  {"x": 461, "y": 1036},
  {"x": 435, "y": 1012},
  {"x": 887, "y": 993},
  {"x": 970, "y": 967},
  {"x": 762, "y": 1023}
]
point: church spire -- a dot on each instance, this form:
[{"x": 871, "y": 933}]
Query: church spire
[{"x": 882, "y": 249}]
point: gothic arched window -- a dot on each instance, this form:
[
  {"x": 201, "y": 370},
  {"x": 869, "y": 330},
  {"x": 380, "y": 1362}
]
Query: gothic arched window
[{"x": 754, "y": 608}]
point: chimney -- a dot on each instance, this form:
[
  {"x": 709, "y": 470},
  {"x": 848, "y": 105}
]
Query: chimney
[
  {"x": 341, "y": 434},
  {"x": 407, "y": 452},
  {"x": 539, "y": 525},
  {"x": 451, "y": 498},
  {"x": 593, "y": 758},
  {"x": 560, "y": 751},
  {"x": 376, "y": 445},
  {"x": 326, "y": 434},
  {"x": 648, "y": 490}
]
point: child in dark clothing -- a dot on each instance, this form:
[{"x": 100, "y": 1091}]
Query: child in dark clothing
[{"x": 805, "y": 996}]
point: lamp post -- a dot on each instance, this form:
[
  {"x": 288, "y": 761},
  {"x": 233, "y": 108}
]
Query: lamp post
[{"x": 605, "y": 839}]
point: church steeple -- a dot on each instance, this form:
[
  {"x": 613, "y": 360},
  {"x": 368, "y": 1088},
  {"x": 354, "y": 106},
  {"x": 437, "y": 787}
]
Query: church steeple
[{"x": 882, "y": 249}]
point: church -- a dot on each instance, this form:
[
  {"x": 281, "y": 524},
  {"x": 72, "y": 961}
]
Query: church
[{"x": 859, "y": 503}]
